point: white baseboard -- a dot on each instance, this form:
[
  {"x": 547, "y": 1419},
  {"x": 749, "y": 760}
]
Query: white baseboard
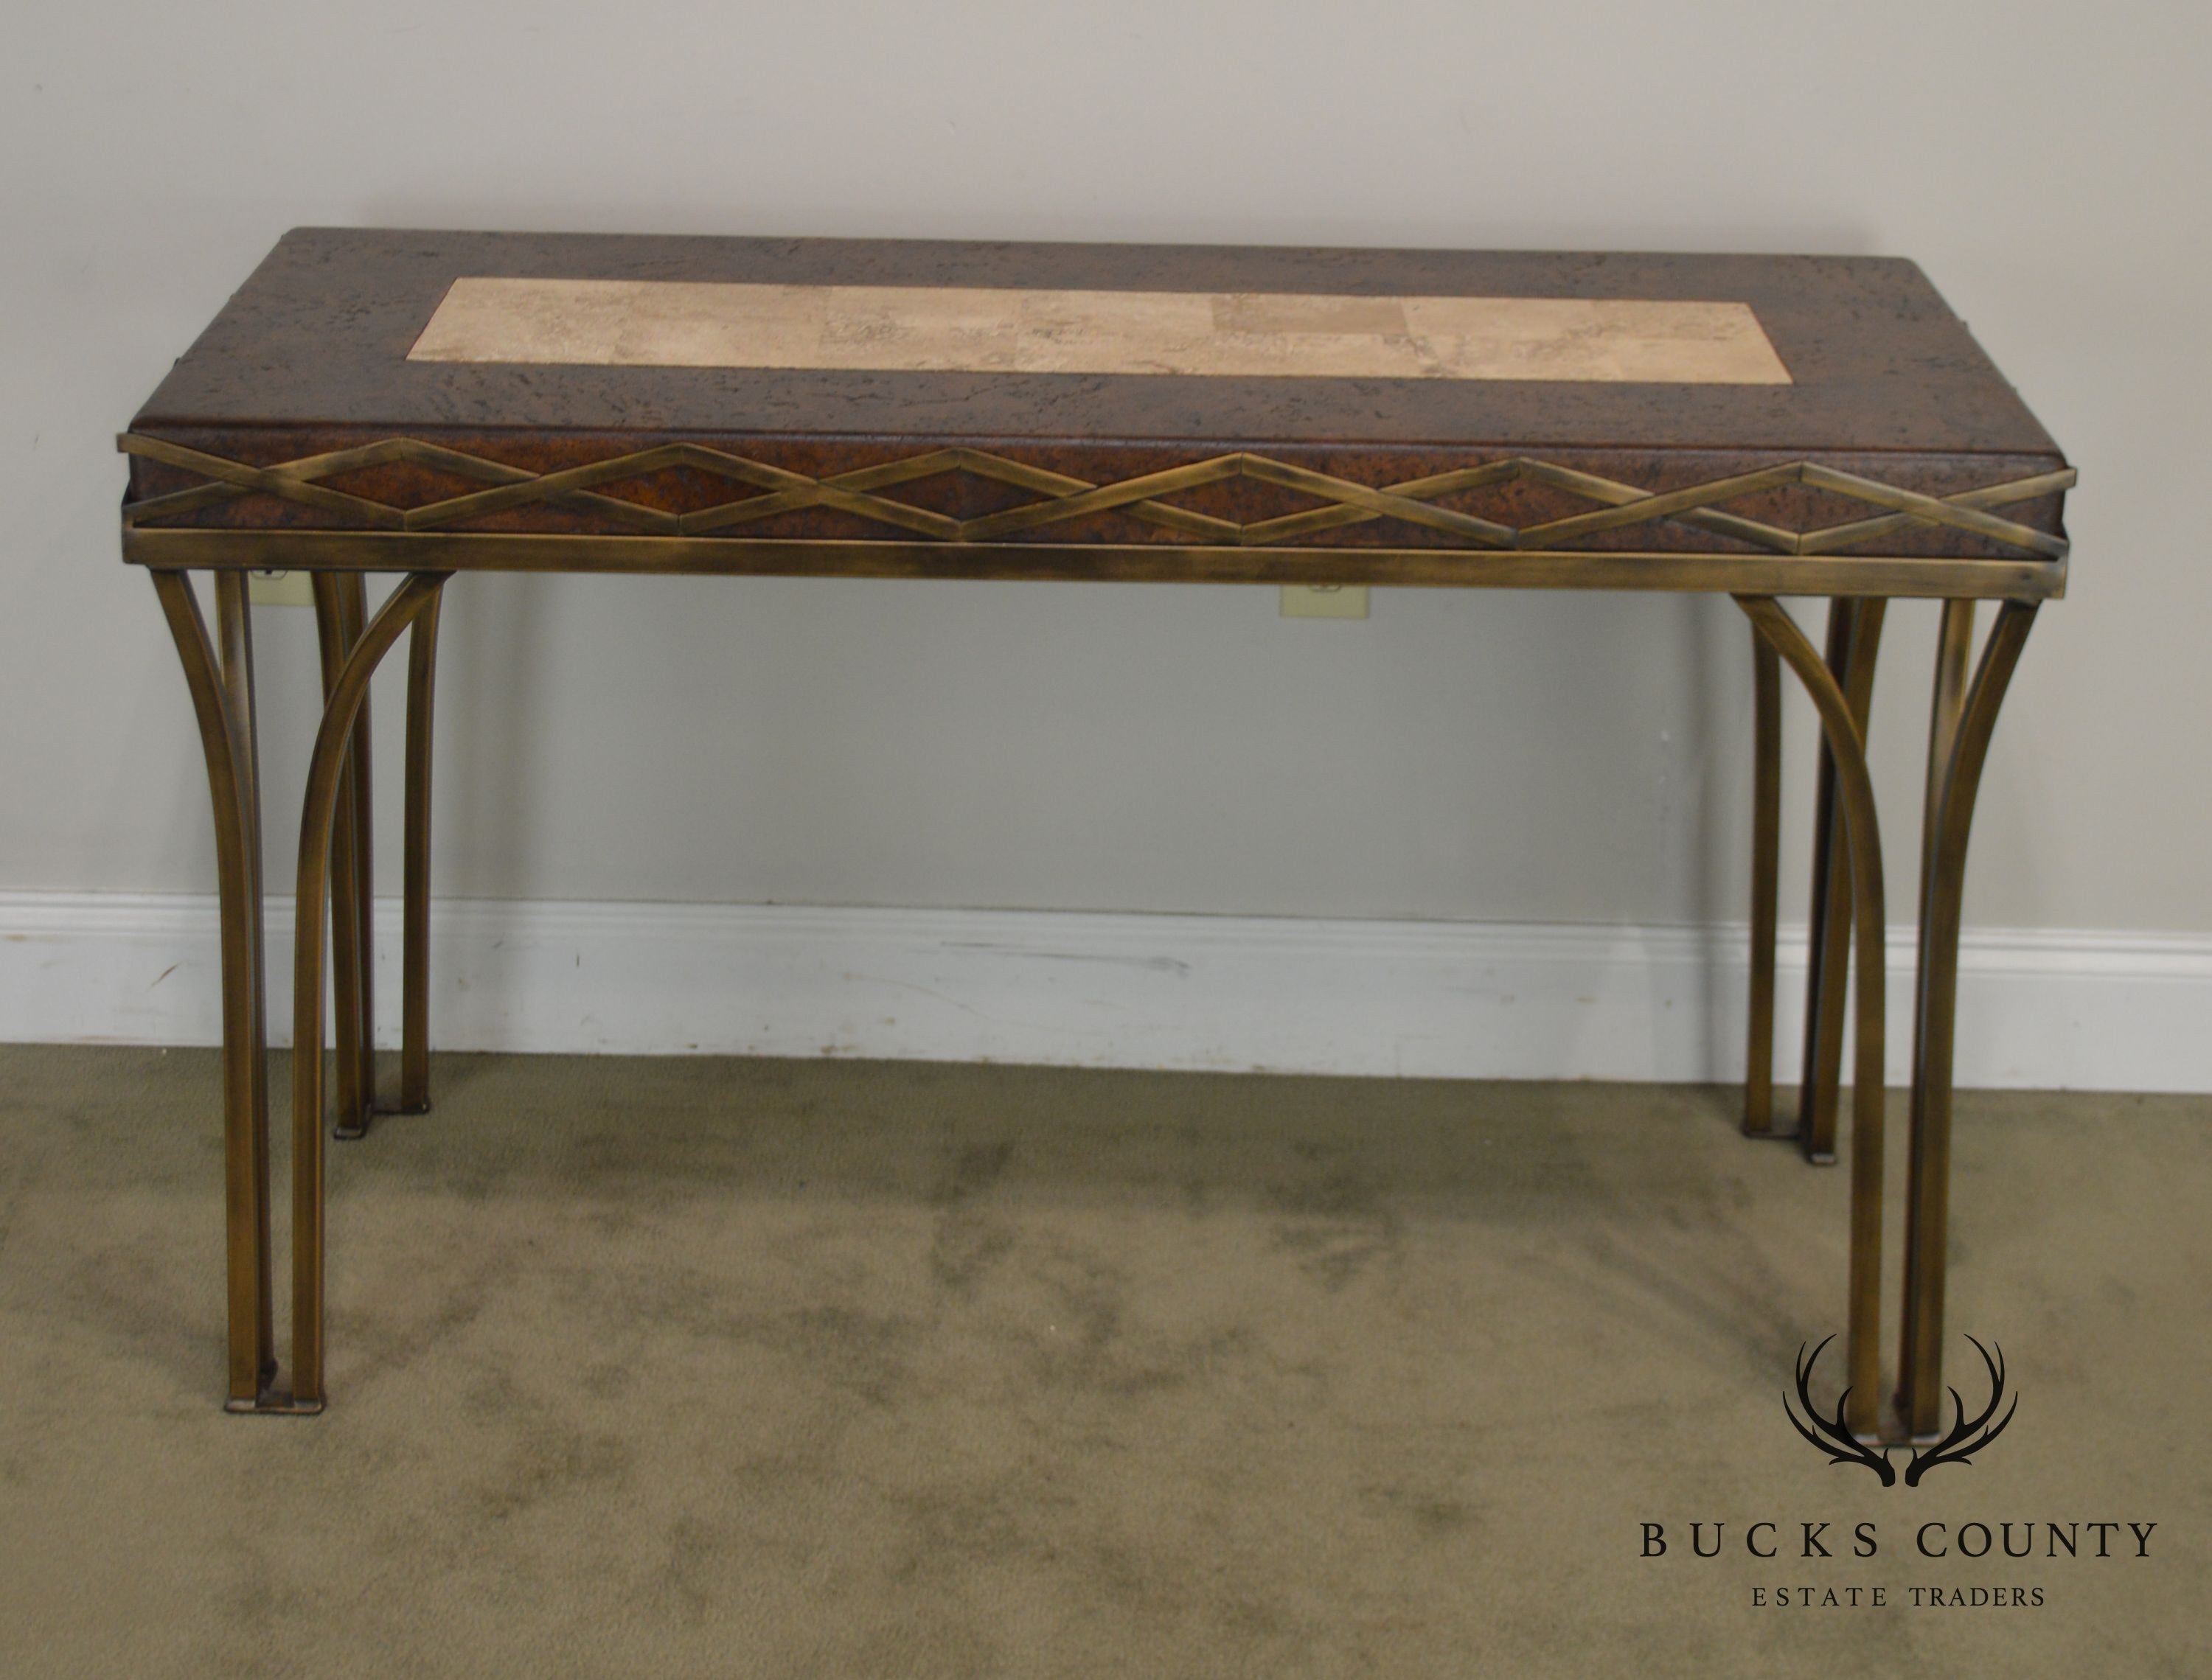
[{"x": 2111, "y": 1012}]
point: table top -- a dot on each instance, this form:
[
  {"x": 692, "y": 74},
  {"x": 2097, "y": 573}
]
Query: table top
[{"x": 846, "y": 391}]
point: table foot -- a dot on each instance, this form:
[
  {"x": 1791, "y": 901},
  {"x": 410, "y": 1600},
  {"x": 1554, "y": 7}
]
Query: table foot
[
  {"x": 1811, "y": 1157},
  {"x": 1897, "y": 1432},
  {"x": 353, "y": 1130},
  {"x": 277, "y": 1403}
]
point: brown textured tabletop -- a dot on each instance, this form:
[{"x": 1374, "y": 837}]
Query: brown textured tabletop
[{"x": 848, "y": 392}]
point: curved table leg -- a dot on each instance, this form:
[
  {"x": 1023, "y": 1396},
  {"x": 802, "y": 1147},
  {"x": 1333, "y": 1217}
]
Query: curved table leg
[
  {"x": 1861, "y": 835},
  {"x": 1854, "y": 637},
  {"x": 1958, "y": 750},
  {"x": 327, "y": 772},
  {"x": 364, "y": 892},
  {"x": 1765, "y": 871},
  {"x": 415, "y": 942},
  {"x": 340, "y": 601},
  {"x": 222, "y": 703},
  {"x": 1955, "y": 658}
]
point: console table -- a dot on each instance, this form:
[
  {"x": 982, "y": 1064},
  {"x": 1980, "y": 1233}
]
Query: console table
[{"x": 428, "y": 403}]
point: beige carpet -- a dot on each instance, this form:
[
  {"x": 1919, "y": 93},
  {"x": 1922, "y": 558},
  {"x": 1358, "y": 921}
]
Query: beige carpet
[{"x": 725, "y": 1368}]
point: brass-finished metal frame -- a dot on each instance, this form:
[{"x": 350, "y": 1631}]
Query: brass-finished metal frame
[
  {"x": 327, "y": 771},
  {"x": 414, "y": 936},
  {"x": 1827, "y": 939},
  {"x": 1854, "y": 639},
  {"x": 219, "y": 675},
  {"x": 1765, "y": 885},
  {"x": 1845, "y": 738},
  {"x": 222, "y": 690},
  {"x": 1888, "y": 576},
  {"x": 334, "y": 859},
  {"x": 340, "y": 609},
  {"x": 1960, "y": 737}
]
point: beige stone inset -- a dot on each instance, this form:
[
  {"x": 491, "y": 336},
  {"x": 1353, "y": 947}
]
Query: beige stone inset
[{"x": 972, "y": 329}]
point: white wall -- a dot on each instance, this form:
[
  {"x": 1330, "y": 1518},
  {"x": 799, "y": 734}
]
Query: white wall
[{"x": 1495, "y": 757}]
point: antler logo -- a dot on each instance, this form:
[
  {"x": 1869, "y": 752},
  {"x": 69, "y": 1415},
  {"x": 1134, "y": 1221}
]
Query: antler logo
[{"x": 1967, "y": 1435}]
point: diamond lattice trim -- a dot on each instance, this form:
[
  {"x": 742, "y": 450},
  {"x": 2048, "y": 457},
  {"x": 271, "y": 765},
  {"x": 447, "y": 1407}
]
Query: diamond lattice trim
[{"x": 1063, "y": 498}]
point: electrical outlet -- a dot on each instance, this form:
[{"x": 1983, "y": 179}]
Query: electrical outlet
[
  {"x": 280, "y": 589},
  {"x": 1324, "y": 600}
]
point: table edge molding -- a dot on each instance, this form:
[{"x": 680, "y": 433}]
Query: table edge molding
[{"x": 1061, "y": 498}]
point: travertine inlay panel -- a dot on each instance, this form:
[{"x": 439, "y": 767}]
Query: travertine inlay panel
[{"x": 985, "y": 330}]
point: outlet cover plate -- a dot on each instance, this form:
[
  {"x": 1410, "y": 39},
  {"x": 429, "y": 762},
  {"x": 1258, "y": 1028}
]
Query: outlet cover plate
[
  {"x": 279, "y": 589},
  {"x": 1324, "y": 600}
]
